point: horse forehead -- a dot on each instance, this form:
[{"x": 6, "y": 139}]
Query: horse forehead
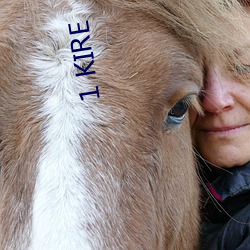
[
  {"x": 151, "y": 34},
  {"x": 148, "y": 54},
  {"x": 145, "y": 44},
  {"x": 144, "y": 38}
]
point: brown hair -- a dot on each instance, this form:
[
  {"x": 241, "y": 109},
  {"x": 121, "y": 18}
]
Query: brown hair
[{"x": 208, "y": 25}]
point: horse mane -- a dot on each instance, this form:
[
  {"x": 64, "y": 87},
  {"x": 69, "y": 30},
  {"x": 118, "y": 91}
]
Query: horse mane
[{"x": 209, "y": 25}]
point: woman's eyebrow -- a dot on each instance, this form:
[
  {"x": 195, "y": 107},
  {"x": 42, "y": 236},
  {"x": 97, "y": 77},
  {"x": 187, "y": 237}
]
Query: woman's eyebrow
[{"x": 244, "y": 49}]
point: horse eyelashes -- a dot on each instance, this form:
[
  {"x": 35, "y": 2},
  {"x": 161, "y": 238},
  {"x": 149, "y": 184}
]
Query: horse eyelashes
[
  {"x": 177, "y": 113},
  {"x": 179, "y": 109}
]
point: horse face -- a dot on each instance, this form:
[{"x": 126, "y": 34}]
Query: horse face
[
  {"x": 147, "y": 73},
  {"x": 114, "y": 172}
]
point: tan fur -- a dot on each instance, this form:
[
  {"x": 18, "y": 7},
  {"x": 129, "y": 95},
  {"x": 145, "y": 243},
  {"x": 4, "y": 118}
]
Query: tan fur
[{"x": 144, "y": 174}]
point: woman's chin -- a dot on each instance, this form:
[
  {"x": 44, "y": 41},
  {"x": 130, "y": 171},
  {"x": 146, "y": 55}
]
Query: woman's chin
[{"x": 230, "y": 162}]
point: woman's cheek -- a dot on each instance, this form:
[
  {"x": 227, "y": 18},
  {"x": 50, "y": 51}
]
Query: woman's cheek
[{"x": 192, "y": 116}]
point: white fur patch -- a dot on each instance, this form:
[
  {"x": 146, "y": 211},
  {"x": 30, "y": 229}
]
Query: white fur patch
[{"x": 62, "y": 207}]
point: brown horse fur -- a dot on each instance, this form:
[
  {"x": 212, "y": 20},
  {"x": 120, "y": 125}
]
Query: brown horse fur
[{"x": 107, "y": 173}]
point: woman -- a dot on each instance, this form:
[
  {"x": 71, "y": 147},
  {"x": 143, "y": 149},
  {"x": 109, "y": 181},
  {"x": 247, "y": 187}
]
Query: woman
[{"x": 222, "y": 139}]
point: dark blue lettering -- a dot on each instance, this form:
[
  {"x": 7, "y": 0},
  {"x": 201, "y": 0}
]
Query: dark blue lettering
[
  {"x": 85, "y": 70},
  {"x": 90, "y": 93},
  {"x": 79, "y": 30},
  {"x": 84, "y": 56},
  {"x": 80, "y": 48},
  {"x": 80, "y": 43}
]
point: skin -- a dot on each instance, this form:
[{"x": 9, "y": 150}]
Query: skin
[{"x": 222, "y": 135}]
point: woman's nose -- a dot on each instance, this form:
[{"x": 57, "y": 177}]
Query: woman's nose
[{"x": 217, "y": 93}]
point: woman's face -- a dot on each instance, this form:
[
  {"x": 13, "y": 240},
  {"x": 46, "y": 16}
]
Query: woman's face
[{"x": 222, "y": 136}]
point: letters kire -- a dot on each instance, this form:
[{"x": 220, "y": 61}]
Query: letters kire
[{"x": 77, "y": 46}]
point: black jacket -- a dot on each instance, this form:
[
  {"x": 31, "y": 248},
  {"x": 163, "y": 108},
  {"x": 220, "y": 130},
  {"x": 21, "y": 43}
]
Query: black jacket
[{"x": 226, "y": 213}]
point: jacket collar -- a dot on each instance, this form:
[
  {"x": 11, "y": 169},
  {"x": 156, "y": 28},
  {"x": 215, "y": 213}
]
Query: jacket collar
[{"x": 225, "y": 184}]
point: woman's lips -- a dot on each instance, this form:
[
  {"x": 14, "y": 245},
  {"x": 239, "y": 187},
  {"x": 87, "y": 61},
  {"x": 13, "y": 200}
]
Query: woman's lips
[{"x": 225, "y": 130}]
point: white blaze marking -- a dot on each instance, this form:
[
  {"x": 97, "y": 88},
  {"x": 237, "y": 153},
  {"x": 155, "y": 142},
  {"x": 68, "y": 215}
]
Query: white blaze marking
[{"x": 62, "y": 205}]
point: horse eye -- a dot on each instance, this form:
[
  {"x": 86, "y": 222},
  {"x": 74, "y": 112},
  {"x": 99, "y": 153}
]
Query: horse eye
[{"x": 178, "y": 112}]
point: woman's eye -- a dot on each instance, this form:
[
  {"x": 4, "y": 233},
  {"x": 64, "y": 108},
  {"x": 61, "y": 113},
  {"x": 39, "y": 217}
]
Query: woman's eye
[
  {"x": 178, "y": 112},
  {"x": 242, "y": 69}
]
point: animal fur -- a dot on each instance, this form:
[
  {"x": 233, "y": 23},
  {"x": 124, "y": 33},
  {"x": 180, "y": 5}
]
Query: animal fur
[{"x": 105, "y": 173}]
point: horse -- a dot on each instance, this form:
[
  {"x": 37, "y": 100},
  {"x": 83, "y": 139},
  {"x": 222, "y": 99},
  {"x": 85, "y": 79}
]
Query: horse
[{"x": 95, "y": 144}]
